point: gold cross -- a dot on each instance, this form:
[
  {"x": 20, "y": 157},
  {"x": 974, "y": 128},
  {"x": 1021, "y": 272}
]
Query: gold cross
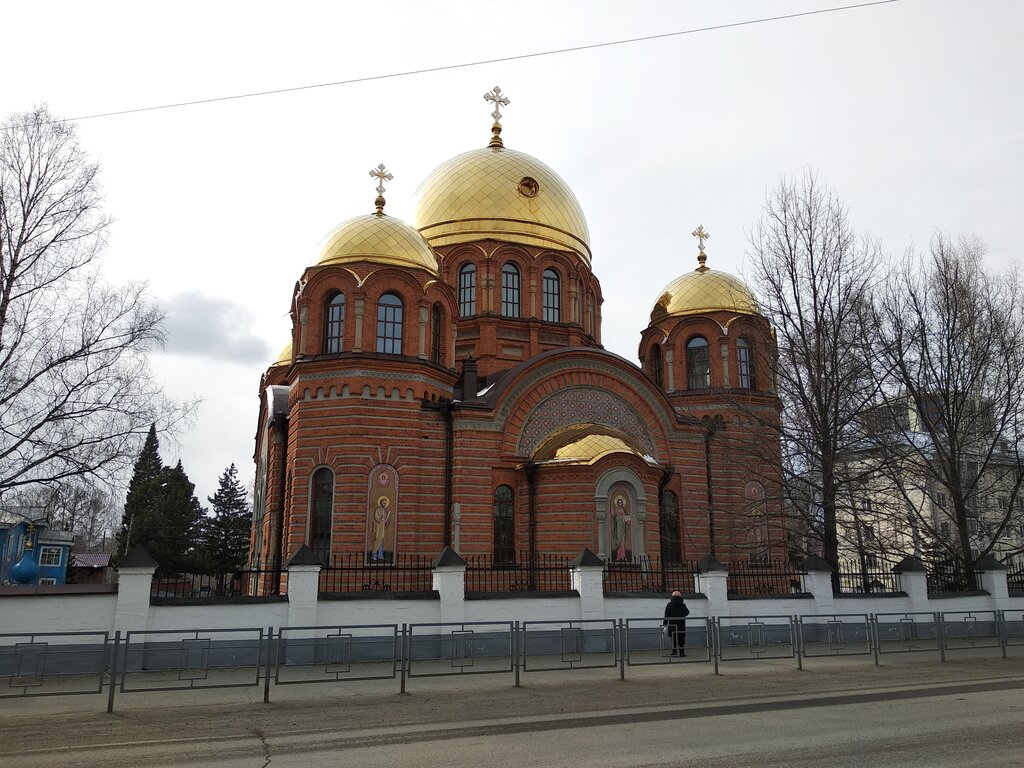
[
  {"x": 381, "y": 175},
  {"x": 495, "y": 96},
  {"x": 701, "y": 236}
]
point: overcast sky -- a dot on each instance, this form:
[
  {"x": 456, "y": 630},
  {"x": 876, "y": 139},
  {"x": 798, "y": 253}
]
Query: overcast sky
[{"x": 912, "y": 111}]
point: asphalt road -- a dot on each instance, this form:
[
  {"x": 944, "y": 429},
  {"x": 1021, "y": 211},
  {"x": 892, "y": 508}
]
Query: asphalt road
[{"x": 927, "y": 714}]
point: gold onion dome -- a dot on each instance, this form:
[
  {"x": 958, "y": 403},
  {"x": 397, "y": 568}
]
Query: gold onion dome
[
  {"x": 704, "y": 290},
  {"x": 499, "y": 193},
  {"x": 379, "y": 239},
  {"x": 285, "y": 356}
]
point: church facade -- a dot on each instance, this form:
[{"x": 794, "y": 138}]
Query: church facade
[{"x": 445, "y": 385}]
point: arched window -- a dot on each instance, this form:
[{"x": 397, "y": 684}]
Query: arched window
[
  {"x": 668, "y": 527},
  {"x": 698, "y": 369},
  {"x": 435, "y": 334},
  {"x": 552, "y": 297},
  {"x": 389, "y": 324},
  {"x": 504, "y": 530},
  {"x": 656, "y": 369},
  {"x": 321, "y": 503},
  {"x": 745, "y": 363},
  {"x": 467, "y": 290},
  {"x": 510, "y": 291},
  {"x": 334, "y": 328}
]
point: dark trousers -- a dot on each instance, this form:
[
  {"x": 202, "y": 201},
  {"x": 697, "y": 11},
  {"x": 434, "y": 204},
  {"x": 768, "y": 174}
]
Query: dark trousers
[{"x": 678, "y": 635}]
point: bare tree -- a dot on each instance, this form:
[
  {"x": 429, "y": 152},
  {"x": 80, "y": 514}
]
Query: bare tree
[
  {"x": 813, "y": 276},
  {"x": 77, "y": 505},
  {"x": 951, "y": 335},
  {"x": 76, "y": 393}
]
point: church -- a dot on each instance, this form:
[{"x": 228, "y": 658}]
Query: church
[{"x": 445, "y": 385}]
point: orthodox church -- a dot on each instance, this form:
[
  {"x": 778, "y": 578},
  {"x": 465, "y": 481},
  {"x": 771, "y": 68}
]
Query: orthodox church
[{"x": 445, "y": 385}]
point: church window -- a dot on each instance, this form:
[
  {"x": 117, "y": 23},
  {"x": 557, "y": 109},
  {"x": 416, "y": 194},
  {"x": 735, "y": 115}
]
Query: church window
[
  {"x": 745, "y": 363},
  {"x": 698, "y": 368},
  {"x": 668, "y": 525},
  {"x": 435, "y": 334},
  {"x": 335, "y": 327},
  {"x": 510, "y": 291},
  {"x": 467, "y": 290},
  {"x": 504, "y": 532},
  {"x": 389, "y": 324},
  {"x": 320, "y": 513},
  {"x": 656, "y": 368},
  {"x": 552, "y": 297}
]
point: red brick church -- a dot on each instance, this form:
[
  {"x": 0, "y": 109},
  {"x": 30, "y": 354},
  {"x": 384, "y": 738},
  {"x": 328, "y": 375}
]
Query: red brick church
[{"x": 445, "y": 384}]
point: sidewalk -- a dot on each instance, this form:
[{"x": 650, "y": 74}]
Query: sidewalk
[{"x": 377, "y": 705}]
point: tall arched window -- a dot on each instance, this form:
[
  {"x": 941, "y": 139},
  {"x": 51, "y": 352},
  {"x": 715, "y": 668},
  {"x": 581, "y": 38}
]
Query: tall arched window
[
  {"x": 656, "y": 368},
  {"x": 321, "y": 504},
  {"x": 745, "y": 363},
  {"x": 389, "y": 324},
  {"x": 552, "y": 297},
  {"x": 504, "y": 530},
  {"x": 668, "y": 527},
  {"x": 698, "y": 369},
  {"x": 467, "y": 290},
  {"x": 435, "y": 334},
  {"x": 510, "y": 291},
  {"x": 334, "y": 328}
]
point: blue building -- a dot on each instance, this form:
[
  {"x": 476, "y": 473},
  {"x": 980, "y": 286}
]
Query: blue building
[{"x": 24, "y": 529}]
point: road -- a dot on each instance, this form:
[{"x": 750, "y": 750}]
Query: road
[{"x": 929, "y": 715}]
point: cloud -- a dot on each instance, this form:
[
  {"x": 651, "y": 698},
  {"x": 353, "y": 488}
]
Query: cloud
[{"x": 212, "y": 327}]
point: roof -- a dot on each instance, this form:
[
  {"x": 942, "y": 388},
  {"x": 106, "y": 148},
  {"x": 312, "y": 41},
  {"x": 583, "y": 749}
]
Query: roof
[{"x": 90, "y": 559}]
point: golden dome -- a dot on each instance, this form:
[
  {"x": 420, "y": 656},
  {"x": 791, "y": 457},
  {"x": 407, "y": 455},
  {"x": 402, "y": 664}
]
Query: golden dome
[
  {"x": 704, "y": 290},
  {"x": 285, "y": 357},
  {"x": 502, "y": 194},
  {"x": 377, "y": 238}
]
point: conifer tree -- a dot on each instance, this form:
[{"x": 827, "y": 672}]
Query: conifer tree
[
  {"x": 225, "y": 533},
  {"x": 138, "y": 503}
]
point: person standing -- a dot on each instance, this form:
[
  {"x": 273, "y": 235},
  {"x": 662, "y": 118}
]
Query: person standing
[{"x": 675, "y": 620}]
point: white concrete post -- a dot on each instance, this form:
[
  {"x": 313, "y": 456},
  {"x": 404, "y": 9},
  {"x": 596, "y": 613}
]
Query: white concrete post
[
  {"x": 586, "y": 576},
  {"x": 914, "y": 581},
  {"x": 449, "y": 579},
  {"x": 992, "y": 579},
  {"x": 818, "y": 581},
  {"x": 713, "y": 583},
  {"x": 134, "y": 584},
  {"x": 303, "y": 588}
]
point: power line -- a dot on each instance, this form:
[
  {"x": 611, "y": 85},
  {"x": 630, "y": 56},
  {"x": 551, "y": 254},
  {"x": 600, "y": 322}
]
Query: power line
[{"x": 465, "y": 65}]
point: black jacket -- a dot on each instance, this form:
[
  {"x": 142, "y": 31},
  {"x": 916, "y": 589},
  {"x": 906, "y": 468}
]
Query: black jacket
[{"x": 676, "y": 611}]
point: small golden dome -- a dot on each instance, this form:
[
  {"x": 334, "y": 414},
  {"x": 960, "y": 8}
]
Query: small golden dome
[
  {"x": 703, "y": 291},
  {"x": 285, "y": 357},
  {"x": 499, "y": 193},
  {"x": 377, "y": 238}
]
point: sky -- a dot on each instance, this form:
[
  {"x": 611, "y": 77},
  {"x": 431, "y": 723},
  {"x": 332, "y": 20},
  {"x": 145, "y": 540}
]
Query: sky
[{"x": 912, "y": 111}]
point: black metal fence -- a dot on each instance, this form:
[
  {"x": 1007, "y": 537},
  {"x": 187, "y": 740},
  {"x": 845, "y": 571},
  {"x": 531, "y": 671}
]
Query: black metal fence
[
  {"x": 532, "y": 572},
  {"x": 250, "y": 582},
  {"x": 760, "y": 579},
  {"x": 647, "y": 574},
  {"x": 945, "y": 578},
  {"x": 1015, "y": 580},
  {"x": 855, "y": 578},
  {"x": 350, "y": 573}
]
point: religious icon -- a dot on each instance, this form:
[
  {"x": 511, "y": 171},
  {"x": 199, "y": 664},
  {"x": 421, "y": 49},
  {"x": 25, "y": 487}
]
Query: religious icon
[
  {"x": 381, "y": 515},
  {"x": 622, "y": 526}
]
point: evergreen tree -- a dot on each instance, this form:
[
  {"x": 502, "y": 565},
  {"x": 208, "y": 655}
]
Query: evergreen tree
[
  {"x": 138, "y": 503},
  {"x": 170, "y": 533},
  {"x": 225, "y": 533}
]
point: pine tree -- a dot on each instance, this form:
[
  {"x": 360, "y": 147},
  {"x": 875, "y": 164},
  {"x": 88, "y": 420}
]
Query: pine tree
[
  {"x": 225, "y": 533},
  {"x": 139, "y": 502},
  {"x": 170, "y": 533}
]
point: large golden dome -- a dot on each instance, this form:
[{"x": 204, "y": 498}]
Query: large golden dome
[
  {"x": 377, "y": 238},
  {"x": 285, "y": 356},
  {"x": 499, "y": 193},
  {"x": 704, "y": 290}
]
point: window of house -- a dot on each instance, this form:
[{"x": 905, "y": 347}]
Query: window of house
[
  {"x": 657, "y": 371},
  {"x": 467, "y": 290},
  {"x": 510, "y": 291},
  {"x": 552, "y": 297},
  {"x": 504, "y": 531},
  {"x": 389, "y": 324},
  {"x": 320, "y": 516},
  {"x": 335, "y": 326},
  {"x": 435, "y": 334},
  {"x": 698, "y": 367},
  {"x": 49, "y": 556},
  {"x": 745, "y": 363}
]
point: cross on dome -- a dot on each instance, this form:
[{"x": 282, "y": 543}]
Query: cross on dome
[
  {"x": 496, "y": 97},
  {"x": 701, "y": 234},
  {"x": 381, "y": 174}
]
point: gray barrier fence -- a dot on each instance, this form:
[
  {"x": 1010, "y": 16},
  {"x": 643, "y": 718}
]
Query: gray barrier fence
[{"x": 75, "y": 663}]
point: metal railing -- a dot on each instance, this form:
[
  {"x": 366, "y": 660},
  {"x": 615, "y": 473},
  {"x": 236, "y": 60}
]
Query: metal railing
[
  {"x": 855, "y": 579},
  {"x": 946, "y": 578},
  {"x": 349, "y": 574},
  {"x": 250, "y": 582},
  {"x": 536, "y": 572},
  {"x": 761, "y": 579},
  {"x": 1015, "y": 580},
  {"x": 646, "y": 574}
]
